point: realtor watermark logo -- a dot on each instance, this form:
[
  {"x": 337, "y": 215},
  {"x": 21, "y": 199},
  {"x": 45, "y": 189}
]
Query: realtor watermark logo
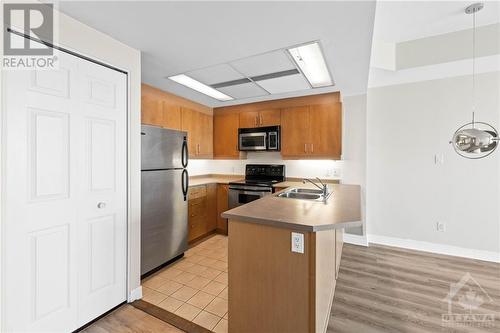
[
  {"x": 464, "y": 305},
  {"x": 28, "y": 34}
]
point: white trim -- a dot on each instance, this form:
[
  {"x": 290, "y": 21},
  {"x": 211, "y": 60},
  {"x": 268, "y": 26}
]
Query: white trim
[
  {"x": 435, "y": 248},
  {"x": 355, "y": 239},
  {"x": 381, "y": 78},
  {"x": 135, "y": 294}
]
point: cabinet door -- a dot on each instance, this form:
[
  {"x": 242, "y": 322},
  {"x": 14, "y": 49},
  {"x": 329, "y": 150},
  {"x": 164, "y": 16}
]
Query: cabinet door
[
  {"x": 325, "y": 130},
  {"x": 211, "y": 219},
  {"x": 222, "y": 196},
  {"x": 206, "y": 143},
  {"x": 270, "y": 117},
  {"x": 249, "y": 119},
  {"x": 226, "y": 136},
  {"x": 151, "y": 111},
  {"x": 190, "y": 124},
  {"x": 171, "y": 116},
  {"x": 294, "y": 131}
]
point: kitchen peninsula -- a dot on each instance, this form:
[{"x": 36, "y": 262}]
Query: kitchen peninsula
[{"x": 291, "y": 250}]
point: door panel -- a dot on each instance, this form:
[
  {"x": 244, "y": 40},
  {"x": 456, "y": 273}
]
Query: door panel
[
  {"x": 64, "y": 260},
  {"x": 163, "y": 217},
  {"x": 270, "y": 117},
  {"x": 326, "y": 130},
  {"x": 171, "y": 116},
  {"x": 151, "y": 111},
  {"x": 249, "y": 119},
  {"x": 102, "y": 216},
  {"x": 226, "y": 138},
  {"x": 294, "y": 131},
  {"x": 49, "y": 154},
  {"x": 51, "y": 271},
  {"x": 102, "y": 154}
]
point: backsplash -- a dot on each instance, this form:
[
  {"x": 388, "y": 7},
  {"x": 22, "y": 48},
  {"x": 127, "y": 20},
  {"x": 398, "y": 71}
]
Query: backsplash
[{"x": 327, "y": 169}]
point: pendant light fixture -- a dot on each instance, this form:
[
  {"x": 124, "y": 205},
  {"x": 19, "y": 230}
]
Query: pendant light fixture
[{"x": 475, "y": 140}]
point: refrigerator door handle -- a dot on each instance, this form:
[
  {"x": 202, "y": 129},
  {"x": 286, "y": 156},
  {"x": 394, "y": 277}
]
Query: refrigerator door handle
[
  {"x": 184, "y": 153},
  {"x": 185, "y": 183}
]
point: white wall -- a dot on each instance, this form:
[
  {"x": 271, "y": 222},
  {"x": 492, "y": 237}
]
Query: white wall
[
  {"x": 85, "y": 40},
  {"x": 407, "y": 193}
]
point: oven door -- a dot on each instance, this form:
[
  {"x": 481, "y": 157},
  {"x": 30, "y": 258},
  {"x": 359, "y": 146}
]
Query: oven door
[
  {"x": 240, "y": 196},
  {"x": 253, "y": 141}
]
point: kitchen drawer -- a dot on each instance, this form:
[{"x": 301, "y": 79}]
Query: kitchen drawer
[
  {"x": 197, "y": 207},
  {"x": 197, "y": 227},
  {"x": 197, "y": 192}
]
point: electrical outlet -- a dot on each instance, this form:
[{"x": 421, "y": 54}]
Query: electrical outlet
[
  {"x": 336, "y": 172},
  {"x": 297, "y": 242},
  {"x": 440, "y": 226}
]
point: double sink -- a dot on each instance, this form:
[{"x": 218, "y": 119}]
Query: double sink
[{"x": 305, "y": 194}]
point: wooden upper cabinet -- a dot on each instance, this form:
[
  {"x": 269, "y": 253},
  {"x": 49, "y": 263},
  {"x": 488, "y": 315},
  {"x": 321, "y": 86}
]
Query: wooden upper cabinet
[
  {"x": 312, "y": 131},
  {"x": 325, "y": 130},
  {"x": 206, "y": 136},
  {"x": 226, "y": 135},
  {"x": 151, "y": 111},
  {"x": 249, "y": 119},
  {"x": 270, "y": 117},
  {"x": 171, "y": 116},
  {"x": 200, "y": 133},
  {"x": 294, "y": 131}
]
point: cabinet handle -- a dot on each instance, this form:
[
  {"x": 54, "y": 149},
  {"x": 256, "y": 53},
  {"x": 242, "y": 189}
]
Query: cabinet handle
[
  {"x": 312, "y": 147},
  {"x": 255, "y": 122},
  {"x": 305, "y": 147},
  {"x": 260, "y": 120},
  {"x": 198, "y": 148}
]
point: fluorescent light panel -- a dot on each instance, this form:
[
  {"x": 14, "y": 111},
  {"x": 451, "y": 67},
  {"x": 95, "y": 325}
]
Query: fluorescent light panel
[
  {"x": 200, "y": 87},
  {"x": 311, "y": 62}
]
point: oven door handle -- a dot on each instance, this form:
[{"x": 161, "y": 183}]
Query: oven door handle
[{"x": 252, "y": 192}]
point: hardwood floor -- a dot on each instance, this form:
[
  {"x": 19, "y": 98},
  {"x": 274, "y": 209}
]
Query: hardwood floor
[
  {"x": 128, "y": 319},
  {"x": 386, "y": 289},
  {"x": 379, "y": 289}
]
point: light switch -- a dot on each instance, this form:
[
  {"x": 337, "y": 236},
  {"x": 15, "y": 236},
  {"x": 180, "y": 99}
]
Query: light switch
[{"x": 297, "y": 242}]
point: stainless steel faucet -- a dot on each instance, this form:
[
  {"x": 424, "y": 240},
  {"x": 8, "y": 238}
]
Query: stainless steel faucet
[{"x": 323, "y": 186}]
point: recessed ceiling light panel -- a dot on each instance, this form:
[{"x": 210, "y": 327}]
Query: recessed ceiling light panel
[
  {"x": 200, "y": 87},
  {"x": 311, "y": 62}
]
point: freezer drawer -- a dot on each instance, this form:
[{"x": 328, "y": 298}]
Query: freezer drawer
[{"x": 164, "y": 208}]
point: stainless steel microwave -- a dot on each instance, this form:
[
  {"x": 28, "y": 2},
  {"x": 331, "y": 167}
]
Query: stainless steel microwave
[{"x": 259, "y": 139}]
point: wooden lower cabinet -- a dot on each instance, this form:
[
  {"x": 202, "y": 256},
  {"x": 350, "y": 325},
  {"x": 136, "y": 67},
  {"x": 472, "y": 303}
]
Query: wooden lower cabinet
[
  {"x": 222, "y": 206},
  {"x": 274, "y": 290},
  {"x": 201, "y": 211}
]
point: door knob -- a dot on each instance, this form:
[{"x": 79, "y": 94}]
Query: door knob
[{"x": 101, "y": 205}]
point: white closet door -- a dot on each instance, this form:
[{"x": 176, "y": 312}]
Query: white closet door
[
  {"x": 102, "y": 230},
  {"x": 65, "y": 151}
]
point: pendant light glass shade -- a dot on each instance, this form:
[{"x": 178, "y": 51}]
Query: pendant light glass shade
[{"x": 475, "y": 140}]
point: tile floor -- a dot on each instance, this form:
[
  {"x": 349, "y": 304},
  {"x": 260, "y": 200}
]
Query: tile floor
[{"x": 194, "y": 287}]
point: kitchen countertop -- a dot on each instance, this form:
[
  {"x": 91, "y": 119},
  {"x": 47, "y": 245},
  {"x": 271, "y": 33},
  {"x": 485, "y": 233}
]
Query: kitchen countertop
[
  {"x": 213, "y": 179},
  {"x": 225, "y": 179},
  {"x": 341, "y": 210}
]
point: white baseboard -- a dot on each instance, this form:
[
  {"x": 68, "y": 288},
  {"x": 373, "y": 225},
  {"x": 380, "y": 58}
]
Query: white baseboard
[
  {"x": 435, "y": 248},
  {"x": 135, "y": 294},
  {"x": 355, "y": 239}
]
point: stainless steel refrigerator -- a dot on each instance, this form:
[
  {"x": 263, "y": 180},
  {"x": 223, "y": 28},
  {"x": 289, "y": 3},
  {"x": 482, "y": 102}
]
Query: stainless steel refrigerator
[{"x": 164, "y": 187}]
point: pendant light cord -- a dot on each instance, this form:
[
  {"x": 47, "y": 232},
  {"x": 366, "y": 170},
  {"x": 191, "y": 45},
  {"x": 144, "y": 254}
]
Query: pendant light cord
[{"x": 473, "y": 68}]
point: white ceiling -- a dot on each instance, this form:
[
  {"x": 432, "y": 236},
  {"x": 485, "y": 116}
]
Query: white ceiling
[
  {"x": 180, "y": 37},
  {"x": 399, "y": 21}
]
